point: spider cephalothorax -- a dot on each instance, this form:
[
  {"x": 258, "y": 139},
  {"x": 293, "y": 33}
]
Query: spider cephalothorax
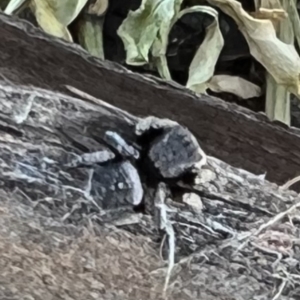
[{"x": 170, "y": 150}]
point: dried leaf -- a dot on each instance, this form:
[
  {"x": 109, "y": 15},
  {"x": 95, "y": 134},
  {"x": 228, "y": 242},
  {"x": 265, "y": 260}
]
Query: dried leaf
[
  {"x": 280, "y": 59},
  {"x": 278, "y": 104},
  {"x": 90, "y": 35},
  {"x": 47, "y": 20},
  {"x": 142, "y": 27},
  {"x": 146, "y": 30},
  {"x": 90, "y": 32},
  {"x": 234, "y": 85},
  {"x": 277, "y": 96},
  {"x": 66, "y": 11},
  {"x": 160, "y": 44},
  {"x": 203, "y": 64}
]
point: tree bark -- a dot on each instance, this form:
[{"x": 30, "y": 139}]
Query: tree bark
[
  {"x": 241, "y": 138},
  {"x": 51, "y": 247}
]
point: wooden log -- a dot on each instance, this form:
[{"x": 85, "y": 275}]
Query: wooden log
[
  {"x": 52, "y": 247},
  {"x": 233, "y": 134}
]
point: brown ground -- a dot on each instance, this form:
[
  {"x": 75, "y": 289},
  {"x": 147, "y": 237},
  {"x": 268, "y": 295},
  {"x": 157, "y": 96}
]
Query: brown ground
[{"x": 38, "y": 262}]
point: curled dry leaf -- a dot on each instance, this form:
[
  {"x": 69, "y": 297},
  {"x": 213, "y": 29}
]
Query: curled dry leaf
[
  {"x": 52, "y": 15},
  {"x": 146, "y": 30},
  {"x": 66, "y": 11},
  {"x": 280, "y": 59},
  {"x": 47, "y": 20},
  {"x": 55, "y": 15},
  {"x": 147, "y": 25},
  {"x": 90, "y": 35},
  {"x": 160, "y": 44},
  {"x": 203, "y": 64},
  {"x": 235, "y": 85}
]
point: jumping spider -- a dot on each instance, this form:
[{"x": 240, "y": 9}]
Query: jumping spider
[{"x": 168, "y": 153}]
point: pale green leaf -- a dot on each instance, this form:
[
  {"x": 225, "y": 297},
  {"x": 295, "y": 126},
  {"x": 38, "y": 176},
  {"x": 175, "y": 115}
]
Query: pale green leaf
[
  {"x": 203, "y": 64},
  {"x": 90, "y": 35},
  {"x": 278, "y": 104},
  {"x": 234, "y": 85},
  {"x": 160, "y": 44},
  {"x": 142, "y": 27},
  {"x": 47, "y": 20},
  {"x": 66, "y": 11}
]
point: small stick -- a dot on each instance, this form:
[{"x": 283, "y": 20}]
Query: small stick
[{"x": 166, "y": 225}]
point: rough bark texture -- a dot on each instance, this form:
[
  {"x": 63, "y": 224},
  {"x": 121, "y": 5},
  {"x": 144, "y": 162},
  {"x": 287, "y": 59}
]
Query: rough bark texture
[
  {"x": 237, "y": 136},
  {"x": 52, "y": 247}
]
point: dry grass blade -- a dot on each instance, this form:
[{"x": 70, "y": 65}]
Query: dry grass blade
[
  {"x": 271, "y": 222},
  {"x": 289, "y": 183},
  {"x": 278, "y": 96}
]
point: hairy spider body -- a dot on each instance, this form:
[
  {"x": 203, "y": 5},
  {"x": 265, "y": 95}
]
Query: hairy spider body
[{"x": 169, "y": 152}]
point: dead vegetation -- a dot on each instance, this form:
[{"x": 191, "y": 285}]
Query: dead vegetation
[{"x": 42, "y": 258}]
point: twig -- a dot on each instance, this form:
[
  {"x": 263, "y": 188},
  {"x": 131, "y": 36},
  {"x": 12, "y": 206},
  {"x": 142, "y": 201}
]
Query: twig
[
  {"x": 271, "y": 222},
  {"x": 166, "y": 225},
  {"x": 161, "y": 247},
  {"x": 289, "y": 183},
  {"x": 282, "y": 286}
]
